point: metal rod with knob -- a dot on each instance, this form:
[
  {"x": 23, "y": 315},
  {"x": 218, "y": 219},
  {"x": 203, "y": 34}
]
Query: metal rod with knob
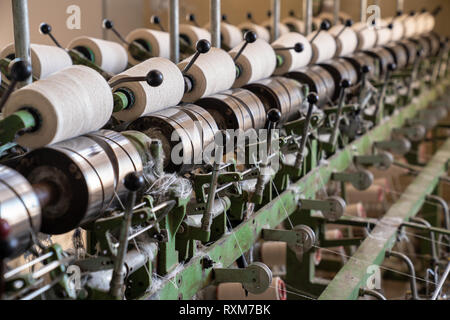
[
  {"x": 133, "y": 182},
  {"x": 313, "y": 98},
  {"x": 344, "y": 85},
  {"x": 157, "y": 21},
  {"x": 19, "y": 71},
  {"x": 324, "y": 26},
  {"x": 249, "y": 37},
  {"x": 22, "y": 34}
]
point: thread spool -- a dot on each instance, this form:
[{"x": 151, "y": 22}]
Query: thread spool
[
  {"x": 356, "y": 210},
  {"x": 409, "y": 24},
  {"x": 399, "y": 53},
  {"x": 294, "y": 24},
  {"x": 367, "y": 36},
  {"x": 411, "y": 50},
  {"x": 235, "y": 291},
  {"x": 291, "y": 59},
  {"x": 46, "y": 60},
  {"x": 69, "y": 103},
  {"x": 273, "y": 254},
  {"x": 235, "y": 109},
  {"x": 280, "y": 93},
  {"x": 156, "y": 42},
  {"x": 192, "y": 34},
  {"x": 213, "y": 72},
  {"x": 383, "y": 56},
  {"x": 108, "y": 55},
  {"x": 340, "y": 69},
  {"x": 375, "y": 194},
  {"x": 346, "y": 41},
  {"x": 429, "y": 22},
  {"x": 324, "y": 46},
  {"x": 231, "y": 35},
  {"x": 384, "y": 34},
  {"x": 284, "y": 29},
  {"x": 258, "y": 61},
  {"x": 398, "y": 29},
  {"x": 149, "y": 99},
  {"x": 260, "y": 31}
]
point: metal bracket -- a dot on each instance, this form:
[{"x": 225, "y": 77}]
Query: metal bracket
[
  {"x": 256, "y": 278},
  {"x": 400, "y": 146},
  {"x": 414, "y": 133},
  {"x": 382, "y": 160},
  {"x": 332, "y": 208},
  {"x": 361, "y": 179}
]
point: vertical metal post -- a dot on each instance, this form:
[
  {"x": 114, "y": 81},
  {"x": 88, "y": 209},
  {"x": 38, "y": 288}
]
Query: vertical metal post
[
  {"x": 400, "y": 5},
  {"x": 215, "y": 23},
  {"x": 22, "y": 33},
  {"x": 174, "y": 29},
  {"x": 276, "y": 19},
  {"x": 336, "y": 9},
  {"x": 308, "y": 15},
  {"x": 363, "y": 10}
]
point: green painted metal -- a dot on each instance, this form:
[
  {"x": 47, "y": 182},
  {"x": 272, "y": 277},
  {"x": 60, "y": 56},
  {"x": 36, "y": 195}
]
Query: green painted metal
[
  {"x": 353, "y": 275},
  {"x": 185, "y": 282}
]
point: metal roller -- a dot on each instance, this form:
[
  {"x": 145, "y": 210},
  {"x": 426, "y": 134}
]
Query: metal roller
[
  {"x": 86, "y": 174},
  {"x": 359, "y": 60},
  {"x": 424, "y": 44},
  {"x": 399, "y": 54},
  {"x": 411, "y": 50},
  {"x": 20, "y": 208},
  {"x": 280, "y": 93},
  {"x": 186, "y": 131},
  {"x": 318, "y": 79},
  {"x": 235, "y": 109},
  {"x": 340, "y": 69},
  {"x": 383, "y": 56},
  {"x": 434, "y": 41}
]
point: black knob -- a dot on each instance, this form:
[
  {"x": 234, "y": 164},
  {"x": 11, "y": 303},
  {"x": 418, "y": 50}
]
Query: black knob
[
  {"x": 313, "y": 98},
  {"x": 274, "y": 115},
  {"x": 420, "y": 52},
  {"x": 390, "y": 26},
  {"x": 392, "y": 66},
  {"x": 8, "y": 247},
  {"x": 134, "y": 181},
  {"x": 156, "y": 20},
  {"x": 20, "y": 70},
  {"x": 299, "y": 47},
  {"x": 203, "y": 46},
  {"x": 366, "y": 69},
  {"x": 412, "y": 13},
  {"x": 292, "y": 13},
  {"x": 249, "y": 16},
  {"x": 269, "y": 13},
  {"x": 325, "y": 25},
  {"x": 345, "y": 84},
  {"x": 250, "y": 36},
  {"x": 399, "y": 13},
  {"x": 108, "y": 24},
  {"x": 224, "y": 17},
  {"x": 423, "y": 10},
  {"x": 349, "y": 23},
  {"x": 191, "y": 17},
  {"x": 45, "y": 28},
  {"x": 155, "y": 78},
  {"x": 374, "y": 22}
]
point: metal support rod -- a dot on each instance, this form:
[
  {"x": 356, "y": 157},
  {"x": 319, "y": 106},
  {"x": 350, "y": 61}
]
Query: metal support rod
[
  {"x": 441, "y": 282},
  {"x": 308, "y": 15},
  {"x": 22, "y": 33},
  {"x": 432, "y": 237},
  {"x": 412, "y": 271},
  {"x": 445, "y": 208},
  {"x": 363, "y": 9},
  {"x": 400, "y": 5},
  {"x": 276, "y": 19},
  {"x": 215, "y": 18},
  {"x": 336, "y": 9},
  {"x": 174, "y": 29},
  {"x": 372, "y": 293}
]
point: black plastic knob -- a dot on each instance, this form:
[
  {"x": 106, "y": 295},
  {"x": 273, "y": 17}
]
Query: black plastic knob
[
  {"x": 366, "y": 69},
  {"x": 349, "y": 23},
  {"x": 313, "y": 98},
  {"x": 345, "y": 83},
  {"x": 156, "y": 20},
  {"x": 134, "y": 182},
  {"x": 155, "y": 78},
  {"x": 390, "y": 26},
  {"x": 8, "y": 247},
  {"x": 325, "y": 25},
  {"x": 274, "y": 115},
  {"x": 292, "y": 13},
  {"x": 269, "y": 13},
  {"x": 299, "y": 47},
  {"x": 399, "y": 13},
  {"x": 224, "y": 17},
  {"x": 20, "y": 70},
  {"x": 45, "y": 28},
  {"x": 392, "y": 66},
  {"x": 191, "y": 17},
  {"x": 423, "y": 10},
  {"x": 108, "y": 24},
  {"x": 412, "y": 13},
  {"x": 249, "y": 16},
  {"x": 250, "y": 36},
  {"x": 203, "y": 46}
]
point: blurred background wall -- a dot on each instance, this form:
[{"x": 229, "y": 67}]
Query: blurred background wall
[{"x": 131, "y": 14}]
